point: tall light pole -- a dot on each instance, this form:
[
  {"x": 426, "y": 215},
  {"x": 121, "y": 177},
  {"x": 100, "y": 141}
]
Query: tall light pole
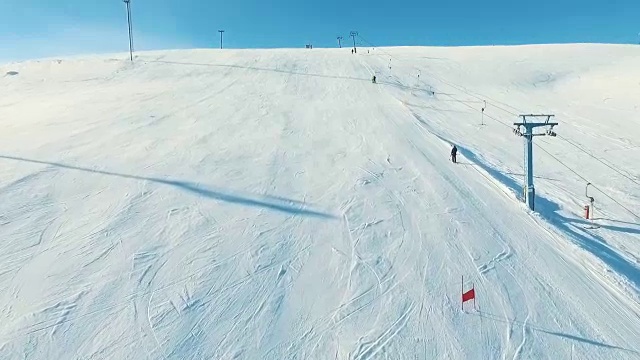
[
  {"x": 128, "y": 2},
  {"x": 339, "y": 43},
  {"x": 221, "y": 32},
  {"x": 530, "y": 192},
  {"x": 353, "y": 34}
]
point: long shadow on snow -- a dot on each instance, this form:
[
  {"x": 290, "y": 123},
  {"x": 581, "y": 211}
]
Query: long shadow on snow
[
  {"x": 437, "y": 109},
  {"x": 260, "y": 69},
  {"x": 255, "y": 68},
  {"x": 618, "y": 221},
  {"x": 549, "y": 210},
  {"x": 506, "y": 320},
  {"x": 537, "y": 177},
  {"x": 263, "y": 201},
  {"x": 404, "y": 87}
]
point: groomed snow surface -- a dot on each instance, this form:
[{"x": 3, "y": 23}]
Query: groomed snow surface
[{"x": 275, "y": 204}]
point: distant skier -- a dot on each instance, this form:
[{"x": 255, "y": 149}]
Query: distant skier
[
  {"x": 351, "y": 51},
  {"x": 454, "y": 152},
  {"x": 373, "y": 79}
]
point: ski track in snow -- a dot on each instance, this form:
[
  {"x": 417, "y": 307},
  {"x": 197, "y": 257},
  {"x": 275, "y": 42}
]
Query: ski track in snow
[{"x": 275, "y": 204}]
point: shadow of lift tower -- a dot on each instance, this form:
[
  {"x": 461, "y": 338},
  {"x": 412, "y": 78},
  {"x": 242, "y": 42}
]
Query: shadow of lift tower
[{"x": 528, "y": 126}]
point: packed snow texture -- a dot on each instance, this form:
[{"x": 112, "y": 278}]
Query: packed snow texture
[{"x": 276, "y": 204}]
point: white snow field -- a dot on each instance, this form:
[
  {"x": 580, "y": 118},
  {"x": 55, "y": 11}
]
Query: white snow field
[{"x": 275, "y": 204}]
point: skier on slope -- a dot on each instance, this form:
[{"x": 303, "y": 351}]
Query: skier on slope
[
  {"x": 454, "y": 152},
  {"x": 373, "y": 80}
]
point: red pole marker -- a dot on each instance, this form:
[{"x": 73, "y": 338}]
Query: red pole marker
[{"x": 469, "y": 295}]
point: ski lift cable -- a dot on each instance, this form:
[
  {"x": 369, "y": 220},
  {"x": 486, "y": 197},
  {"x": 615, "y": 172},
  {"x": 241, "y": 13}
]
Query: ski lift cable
[
  {"x": 563, "y": 138},
  {"x": 612, "y": 167},
  {"x": 594, "y": 186},
  {"x": 493, "y": 101},
  {"x": 563, "y": 164}
]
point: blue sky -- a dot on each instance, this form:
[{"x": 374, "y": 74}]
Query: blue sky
[{"x": 43, "y": 28}]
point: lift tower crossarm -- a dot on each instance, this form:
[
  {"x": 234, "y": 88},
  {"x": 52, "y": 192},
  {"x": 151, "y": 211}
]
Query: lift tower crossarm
[{"x": 528, "y": 134}]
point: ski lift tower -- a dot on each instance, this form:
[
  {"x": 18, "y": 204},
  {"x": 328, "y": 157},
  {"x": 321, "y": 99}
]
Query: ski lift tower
[
  {"x": 528, "y": 126},
  {"x": 353, "y": 34}
]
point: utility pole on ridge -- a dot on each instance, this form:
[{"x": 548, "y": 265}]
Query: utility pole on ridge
[
  {"x": 221, "y": 32},
  {"x": 128, "y": 3},
  {"x": 339, "y": 43}
]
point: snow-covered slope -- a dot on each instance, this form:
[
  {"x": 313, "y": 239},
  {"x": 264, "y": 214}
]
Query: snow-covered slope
[{"x": 275, "y": 204}]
